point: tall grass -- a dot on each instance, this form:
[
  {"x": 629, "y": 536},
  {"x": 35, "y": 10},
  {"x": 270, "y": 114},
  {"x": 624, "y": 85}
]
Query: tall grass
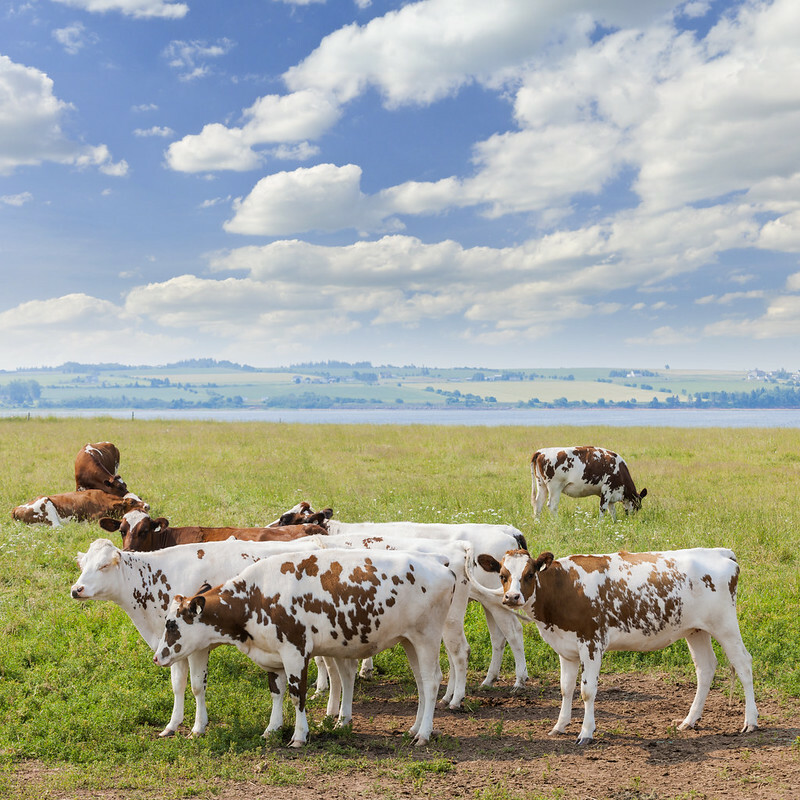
[{"x": 77, "y": 685}]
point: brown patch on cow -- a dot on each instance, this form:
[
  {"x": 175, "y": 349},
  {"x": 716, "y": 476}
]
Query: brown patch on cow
[
  {"x": 591, "y": 563},
  {"x": 733, "y": 583},
  {"x": 201, "y": 553},
  {"x": 308, "y": 566},
  {"x": 709, "y": 582}
]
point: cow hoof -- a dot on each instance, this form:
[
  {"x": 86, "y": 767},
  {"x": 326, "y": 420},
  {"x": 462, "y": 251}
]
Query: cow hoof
[
  {"x": 456, "y": 706},
  {"x": 166, "y": 733},
  {"x": 750, "y": 728},
  {"x": 296, "y": 743},
  {"x": 556, "y": 732},
  {"x": 581, "y": 740}
]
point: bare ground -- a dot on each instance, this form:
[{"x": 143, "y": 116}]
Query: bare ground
[{"x": 499, "y": 750}]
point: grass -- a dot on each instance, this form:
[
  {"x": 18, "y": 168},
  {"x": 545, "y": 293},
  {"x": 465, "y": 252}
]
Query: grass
[{"x": 78, "y": 691}]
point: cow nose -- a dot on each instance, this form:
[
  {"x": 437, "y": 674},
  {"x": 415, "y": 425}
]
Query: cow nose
[
  {"x": 512, "y": 599},
  {"x": 76, "y": 591}
]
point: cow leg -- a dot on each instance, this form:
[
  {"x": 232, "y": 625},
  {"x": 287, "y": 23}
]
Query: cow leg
[
  {"x": 538, "y": 495},
  {"x": 589, "y": 679},
  {"x": 277, "y": 688},
  {"x": 322, "y": 677},
  {"x": 554, "y": 495},
  {"x": 569, "y": 674},
  {"x": 178, "y": 674},
  {"x": 730, "y": 638},
  {"x": 296, "y": 666},
  {"x": 346, "y": 670},
  {"x": 198, "y": 669},
  {"x": 424, "y": 660},
  {"x": 705, "y": 665},
  {"x": 335, "y": 693},
  {"x": 505, "y": 626},
  {"x": 367, "y": 668},
  {"x": 609, "y": 506},
  {"x": 457, "y": 647}
]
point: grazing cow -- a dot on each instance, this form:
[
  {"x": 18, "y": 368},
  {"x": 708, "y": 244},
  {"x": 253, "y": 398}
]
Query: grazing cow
[
  {"x": 484, "y": 538},
  {"x": 57, "y": 509},
  {"x": 584, "y": 605},
  {"x": 143, "y": 584},
  {"x": 345, "y": 604},
  {"x": 581, "y": 472},
  {"x": 143, "y": 534},
  {"x": 96, "y": 467}
]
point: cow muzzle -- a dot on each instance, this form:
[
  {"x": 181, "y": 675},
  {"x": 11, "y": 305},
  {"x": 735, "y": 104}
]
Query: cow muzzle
[
  {"x": 513, "y": 599},
  {"x": 77, "y": 592}
]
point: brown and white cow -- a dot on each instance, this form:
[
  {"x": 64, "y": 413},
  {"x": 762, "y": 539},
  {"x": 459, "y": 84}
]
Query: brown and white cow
[
  {"x": 581, "y": 472},
  {"x": 584, "y": 605},
  {"x": 344, "y": 604},
  {"x": 96, "y": 467},
  {"x": 57, "y": 509},
  {"x": 142, "y": 533}
]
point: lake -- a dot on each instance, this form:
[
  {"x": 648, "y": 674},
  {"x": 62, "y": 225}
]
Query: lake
[{"x": 625, "y": 417}]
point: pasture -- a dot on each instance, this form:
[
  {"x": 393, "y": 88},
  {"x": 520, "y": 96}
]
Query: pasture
[{"x": 81, "y": 702}]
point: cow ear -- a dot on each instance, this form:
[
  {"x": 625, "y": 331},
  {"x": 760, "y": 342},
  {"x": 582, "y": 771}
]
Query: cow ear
[
  {"x": 108, "y": 524},
  {"x": 107, "y": 482},
  {"x": 643, "y": 493},
  {"x": 328, "y": 512},
  {"x": 159, "y": 524},
  {"x": 543, "y": 561},
  {"x": 197, "y": 604},
  {"x": 204, "y": 588},
  {"x": 79, "y": 558},
  {"x": 488, "y": 562}
]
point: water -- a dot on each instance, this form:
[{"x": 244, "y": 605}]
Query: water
[{"x": 623, "y": 417}]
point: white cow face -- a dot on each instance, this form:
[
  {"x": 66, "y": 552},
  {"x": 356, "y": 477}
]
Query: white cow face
[{"x": 99, "y": 570}]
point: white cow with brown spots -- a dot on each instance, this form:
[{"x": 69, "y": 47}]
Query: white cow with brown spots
[
  {"x": 582, "y": 472},
  {"x": 143, "y": 584},
  {"x": 584, "y": 605},
  {"x": 344, "y": 604}
]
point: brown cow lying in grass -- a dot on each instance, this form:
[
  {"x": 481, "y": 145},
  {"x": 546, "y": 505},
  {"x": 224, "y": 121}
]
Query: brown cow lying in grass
[
  {"x": 143, "y": 534},
  {"x": 56, "y": 509}
]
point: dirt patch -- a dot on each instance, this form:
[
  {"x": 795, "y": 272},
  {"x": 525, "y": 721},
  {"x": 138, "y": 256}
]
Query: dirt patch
[{"x": 499, "y": 749}]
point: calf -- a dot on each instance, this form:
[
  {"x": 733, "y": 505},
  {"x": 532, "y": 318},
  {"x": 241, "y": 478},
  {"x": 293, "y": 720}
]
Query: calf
[
  {"x": 484, "y": 538},
  {"x": 581, "y": 472},
  {"x": 57, "y": 509},
  {"x": 96, "y": 467},
  {"x": 585, "y": 605},
  {"x": 345, "y": 604},
  {"x": 142, "y": 533},
  {"x": 143, "y": 584}
]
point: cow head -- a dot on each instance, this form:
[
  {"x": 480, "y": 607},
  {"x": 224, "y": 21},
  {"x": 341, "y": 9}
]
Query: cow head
[
  {"x": 183, "y": 633},
  {"x": 518, "y": 574},
  {"x": 632, "y": 501},
  {"x": 99, "y": 567},
  {"x": 115, "y": 485},
  {"x": 138, "y": 530},
  {"x": 302, "y": 514}
]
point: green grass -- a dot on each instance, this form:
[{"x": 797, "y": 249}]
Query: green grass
[{"x": 78, "y": 690}]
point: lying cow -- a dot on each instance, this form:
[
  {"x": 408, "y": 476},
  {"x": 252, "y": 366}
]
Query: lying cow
[
  {"x": 143, "y": 584},
  {"x": 581, "y": 472},
  {"x": 484, "y": 538},
  {"x": 302, "y": 514},
  {"x": 143, "y": 534},
  {"x": 585, "y": 605},
  {"x": 58, "y": 509},
  {"x": 348, "y": 604},
  {"x": 96, "y": 467}
]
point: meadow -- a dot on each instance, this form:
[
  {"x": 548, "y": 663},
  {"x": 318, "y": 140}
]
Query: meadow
[{"x": 81, "y": 702}]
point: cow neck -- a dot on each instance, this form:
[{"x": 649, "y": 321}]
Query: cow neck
[{"x": 133, "y": 569}]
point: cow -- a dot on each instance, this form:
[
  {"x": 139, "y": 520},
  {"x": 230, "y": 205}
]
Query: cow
[
  {"x": 144, "y": 534},
  {"x": 491, "y": 538},
  {"x": 58, "y": 509},
  {"x": 96, "y": 467},
  {"x": 302, "y": 514},
  {"x": 346, "y": 604},
  {"x": 455, "y": 641},
  {"x": 581, "y": 472},
  {"x": 584, "y": 605},
  {"x": 143, "y": 584}
]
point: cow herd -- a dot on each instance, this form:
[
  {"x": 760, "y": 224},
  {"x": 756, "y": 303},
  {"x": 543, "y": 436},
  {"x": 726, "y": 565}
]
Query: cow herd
[{"x": 307, "y": 586}]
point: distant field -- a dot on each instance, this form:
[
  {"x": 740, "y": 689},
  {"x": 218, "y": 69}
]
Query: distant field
[{"x": 135, "y": 387}]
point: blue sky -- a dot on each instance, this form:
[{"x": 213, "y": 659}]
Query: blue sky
[{"x": 530, "y": 183}]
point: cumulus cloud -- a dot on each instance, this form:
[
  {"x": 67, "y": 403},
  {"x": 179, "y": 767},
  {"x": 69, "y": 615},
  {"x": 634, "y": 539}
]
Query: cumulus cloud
[
  {"x": 191, "y": 58},
  {"x": 141, "y": 9},
  {"x": 31, "y": 118}
]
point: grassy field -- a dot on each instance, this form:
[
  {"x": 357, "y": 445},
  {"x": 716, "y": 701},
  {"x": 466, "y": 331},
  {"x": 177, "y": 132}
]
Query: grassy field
[{"x": 78, "y": 690}]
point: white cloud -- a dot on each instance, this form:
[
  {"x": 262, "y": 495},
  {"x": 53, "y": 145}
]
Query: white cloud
[
  {"x": 190, "y": 58},
  {"x": 31, "y": 117},
  {"x": 154, "y": 131},
  {"x": 141, "y": 9},
  {"x": 16, "y": 199},
  {"x": 781, "y": 319},
  {"x": 271, "y": 119},
  {"x": 73, "y": 38}
]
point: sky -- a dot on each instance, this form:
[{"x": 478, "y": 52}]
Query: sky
[{"x": 515, "y": 183}]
